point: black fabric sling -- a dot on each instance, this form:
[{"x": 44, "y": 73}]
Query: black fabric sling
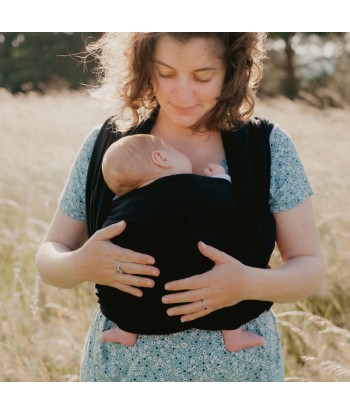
[
  {"x": 98, "y": 196},
  {"x": 248, "y": 158}
]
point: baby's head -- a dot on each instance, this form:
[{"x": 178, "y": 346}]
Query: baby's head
[{"x": 137, "y": 159}]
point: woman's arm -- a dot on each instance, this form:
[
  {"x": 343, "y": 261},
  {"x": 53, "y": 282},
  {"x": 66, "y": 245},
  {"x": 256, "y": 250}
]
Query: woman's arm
[
  {"x": 302, "y": 271},
  {"x": 67, "y": 257},
  {"x": 55, "y": 256},
  {"x": 230, "y": 282}
]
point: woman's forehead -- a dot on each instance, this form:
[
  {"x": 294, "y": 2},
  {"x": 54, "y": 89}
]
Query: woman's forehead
[{"x": 199, "y": 51}]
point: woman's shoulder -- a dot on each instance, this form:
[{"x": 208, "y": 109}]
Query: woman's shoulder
[
  {"x": 284, "y": 151},
  {"x": 279, "y": 138},
  {"x": 72, "y": 198},
  {"x": 289, "y": 184},
  {"x": 89, "y": 141}
]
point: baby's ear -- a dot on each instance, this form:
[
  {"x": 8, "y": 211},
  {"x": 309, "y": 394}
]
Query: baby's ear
[{"x": 160, "y": 158}]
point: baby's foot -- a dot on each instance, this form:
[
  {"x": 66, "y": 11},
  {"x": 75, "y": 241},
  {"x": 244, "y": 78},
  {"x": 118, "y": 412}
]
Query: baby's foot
[
  {"x": 116, "y": 335},
  {"x": 236, "y": 340}
]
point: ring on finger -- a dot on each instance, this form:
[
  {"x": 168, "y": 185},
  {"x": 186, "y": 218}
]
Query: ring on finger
[
  {"x": 119, "y": 269},
  {"x": 204, "y": 306}
]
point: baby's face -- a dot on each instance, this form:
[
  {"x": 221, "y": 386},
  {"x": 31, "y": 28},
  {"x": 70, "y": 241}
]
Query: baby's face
[{"x": 181, "y": 163}]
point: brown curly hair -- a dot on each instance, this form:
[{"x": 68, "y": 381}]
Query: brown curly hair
[{"x": 242, "y": 54}]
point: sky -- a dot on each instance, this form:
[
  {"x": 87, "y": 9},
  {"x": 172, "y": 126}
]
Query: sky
[{"x": 204, "y": 15}]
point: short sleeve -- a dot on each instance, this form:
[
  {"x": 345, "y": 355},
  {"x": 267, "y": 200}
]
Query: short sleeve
[
  {"x": 72, "y": 198},
  {"x": 289, "y": 185}
]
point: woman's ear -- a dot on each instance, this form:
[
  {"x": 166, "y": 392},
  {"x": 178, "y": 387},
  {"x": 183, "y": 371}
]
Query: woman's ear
[{"x": 160, "y": 158}]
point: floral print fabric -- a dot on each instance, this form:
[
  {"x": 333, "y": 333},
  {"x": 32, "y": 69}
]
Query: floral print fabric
[{"x": 192, "y": 355}]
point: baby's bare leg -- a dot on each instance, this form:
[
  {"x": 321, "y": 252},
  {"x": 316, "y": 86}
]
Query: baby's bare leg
[
  {"x": 117, "y": 335},
  {"x": 239, "y": 339}
]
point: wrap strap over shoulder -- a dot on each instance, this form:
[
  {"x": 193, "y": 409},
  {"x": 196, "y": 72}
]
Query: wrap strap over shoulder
[
  {"x": 248, "y": 158},
  {"x": 98, "y": 196}
]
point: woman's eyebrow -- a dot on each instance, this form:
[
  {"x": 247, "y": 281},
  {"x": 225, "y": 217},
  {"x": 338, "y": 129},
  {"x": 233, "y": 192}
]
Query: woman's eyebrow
[
  {"x": 162, "y": 63},
  {"x": 209, "y": 68}
]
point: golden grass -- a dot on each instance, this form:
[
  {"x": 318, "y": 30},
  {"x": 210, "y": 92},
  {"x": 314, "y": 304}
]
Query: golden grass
[
  {"x": 43, "y": 328},
  {"x": 316, "y": 331}
]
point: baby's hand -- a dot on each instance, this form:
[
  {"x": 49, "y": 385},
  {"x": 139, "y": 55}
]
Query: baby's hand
[{"x": 214, "y": 168}]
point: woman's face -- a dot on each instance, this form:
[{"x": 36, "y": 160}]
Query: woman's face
[{"x": 187, "y": 79}]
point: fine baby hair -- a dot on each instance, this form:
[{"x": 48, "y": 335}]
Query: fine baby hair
[{"x": 130, "y": 160}]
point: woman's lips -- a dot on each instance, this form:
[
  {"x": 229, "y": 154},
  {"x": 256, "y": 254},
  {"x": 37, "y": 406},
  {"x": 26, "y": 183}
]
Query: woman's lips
[{"x": 184, "y": 109}]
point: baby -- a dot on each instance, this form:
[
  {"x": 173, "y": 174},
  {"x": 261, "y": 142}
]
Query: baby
[{"x": 134, "y": 162}]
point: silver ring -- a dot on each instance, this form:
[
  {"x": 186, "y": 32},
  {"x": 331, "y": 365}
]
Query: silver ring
[
  {"x": 119, "y": 269},
  {"x": 204, "y": 306}
]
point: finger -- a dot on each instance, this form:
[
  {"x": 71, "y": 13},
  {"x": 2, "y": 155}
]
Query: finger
[
  {"x": 190, "y": 283},
  {"x": 134, "y": 280},
  {"x": 191, "y": 308},
  {"x": 128, "y": 255},
  {"x": 110, "y": 231},
  {"x": 184, "y": 297},
  {"x": 130, "y": 268},
  {"x": 208, "y": 172},
  {"x": 217, "y": 256},
  {"x": 217, "y": 168},
  {"x": 127, "y": 289}
]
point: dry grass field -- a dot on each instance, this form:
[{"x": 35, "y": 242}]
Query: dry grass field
[{"x": 42, "y": 329}]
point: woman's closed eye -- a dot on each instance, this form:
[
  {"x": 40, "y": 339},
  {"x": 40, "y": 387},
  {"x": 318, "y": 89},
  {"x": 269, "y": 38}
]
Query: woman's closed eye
[
  {"x": 166, "y": 75},
  {"x": 203, "y": 80},
  {"x": 196, "y": 78}
]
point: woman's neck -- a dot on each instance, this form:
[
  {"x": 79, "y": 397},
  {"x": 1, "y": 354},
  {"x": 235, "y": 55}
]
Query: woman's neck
[
  {"x": 201, "y": 148},
  {"x": 181, "y": 137}
]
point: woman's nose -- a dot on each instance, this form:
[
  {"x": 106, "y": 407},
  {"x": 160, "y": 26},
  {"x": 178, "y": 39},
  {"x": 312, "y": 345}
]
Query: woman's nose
[{"x": 183, "y": 90}]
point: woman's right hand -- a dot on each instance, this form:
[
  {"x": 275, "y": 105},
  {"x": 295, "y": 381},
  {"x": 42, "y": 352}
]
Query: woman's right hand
[{"x": 98, "y": 260}]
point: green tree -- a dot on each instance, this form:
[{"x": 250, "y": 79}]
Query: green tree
[
  {"x": 32, "y": 60},
  {"x": 291, "y": 82},
  {"x": 291, "y": 79}
]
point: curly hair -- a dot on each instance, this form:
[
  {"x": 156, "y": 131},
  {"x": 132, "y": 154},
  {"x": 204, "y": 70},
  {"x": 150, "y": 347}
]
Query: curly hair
[{"x": 242, "y": 54}]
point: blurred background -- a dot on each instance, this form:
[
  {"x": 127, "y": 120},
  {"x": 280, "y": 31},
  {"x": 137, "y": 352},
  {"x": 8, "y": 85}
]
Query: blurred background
[
  {"x": 310, "y": 66},
  {"x": 41, "y": 61},
  {"x": 45, "y": 113}
]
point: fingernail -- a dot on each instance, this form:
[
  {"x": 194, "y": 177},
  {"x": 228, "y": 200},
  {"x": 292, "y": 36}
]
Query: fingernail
[
  {"x": 119, "y": 224},
  {"x": 170, "y": 312},
  {"x": 202, "y": 243},
  {"x": 150, "y": 261}
]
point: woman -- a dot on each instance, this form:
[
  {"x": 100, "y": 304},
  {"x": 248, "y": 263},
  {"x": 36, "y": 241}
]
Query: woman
[{"x": 201, "y": 85}]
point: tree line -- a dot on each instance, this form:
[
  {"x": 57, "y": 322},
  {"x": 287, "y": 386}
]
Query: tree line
[{"x": 38, "y": 61}]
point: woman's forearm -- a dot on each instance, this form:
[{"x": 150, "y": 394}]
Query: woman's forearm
[
  {"x": 56, "y": 265},
  {"x": 297, "y": 278},
  {"x": 302, "y": 272}
]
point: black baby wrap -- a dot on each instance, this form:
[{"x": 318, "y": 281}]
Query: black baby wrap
[{"x": 167, "y": 219}]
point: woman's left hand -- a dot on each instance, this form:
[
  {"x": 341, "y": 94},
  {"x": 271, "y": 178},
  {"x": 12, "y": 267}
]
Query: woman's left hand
[{"x": 226, "y": 284}]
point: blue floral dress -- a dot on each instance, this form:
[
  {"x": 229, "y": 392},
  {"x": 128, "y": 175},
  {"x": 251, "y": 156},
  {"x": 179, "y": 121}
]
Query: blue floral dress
[{"x": 193, "y": 355}]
